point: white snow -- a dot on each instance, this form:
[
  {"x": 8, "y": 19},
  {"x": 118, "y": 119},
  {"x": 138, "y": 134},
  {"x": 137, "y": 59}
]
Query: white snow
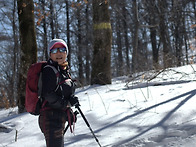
[{"x": 157, "y": 113}]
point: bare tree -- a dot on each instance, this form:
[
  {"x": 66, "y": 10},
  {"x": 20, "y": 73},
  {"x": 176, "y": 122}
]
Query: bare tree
[
  {"x": 45, "y": 33},
  {"x": 152, "y": 20},
  {"x": 164, "y": 34},
  {"x": 147, "y": 34},
  {"x": 101, "y": 66},
  {"x": 126, "y": 38},
  {"x": 28, "y": 46},
  {"x": 52, "y": 19},
  {"x": 68, "y": 30},
  {"x": 135, "y": 55},
  {"x": 80, "y": 47},
  {"x": 88, "y": 43}
]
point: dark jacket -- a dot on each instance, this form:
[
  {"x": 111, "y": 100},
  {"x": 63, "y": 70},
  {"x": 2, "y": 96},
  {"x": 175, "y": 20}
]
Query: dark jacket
[{"x": 56, "y": 95}]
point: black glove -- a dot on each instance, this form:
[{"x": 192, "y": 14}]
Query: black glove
[
  {"x": 68, "y": 88},
  {"x": 74, "y": 101}
]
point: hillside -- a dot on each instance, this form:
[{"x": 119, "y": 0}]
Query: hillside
[{"x": 152, "y": 110}]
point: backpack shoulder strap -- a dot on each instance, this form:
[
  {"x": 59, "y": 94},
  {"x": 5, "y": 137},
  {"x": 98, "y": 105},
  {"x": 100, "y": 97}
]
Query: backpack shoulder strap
[
  {"x": 54, "y": 69},
  {"x": 40, "y": 85},
  {"x": 56, "y": 73}
]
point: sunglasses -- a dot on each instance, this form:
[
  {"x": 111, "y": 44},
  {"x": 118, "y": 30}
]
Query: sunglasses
[{"x": 62, "y": 50}]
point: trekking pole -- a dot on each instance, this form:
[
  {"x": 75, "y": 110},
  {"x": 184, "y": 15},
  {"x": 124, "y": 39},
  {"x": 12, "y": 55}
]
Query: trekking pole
[
  {"x": 65, "y": 130},
  {"x": 77, "y": 106}
]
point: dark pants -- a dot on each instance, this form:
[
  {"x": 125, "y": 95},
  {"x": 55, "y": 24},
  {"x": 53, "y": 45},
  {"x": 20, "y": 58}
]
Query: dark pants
[{"x": 52, "y": 124}]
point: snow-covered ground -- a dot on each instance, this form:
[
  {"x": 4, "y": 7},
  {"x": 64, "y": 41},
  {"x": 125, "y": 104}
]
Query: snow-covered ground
[{"x": 157, "y": 113}]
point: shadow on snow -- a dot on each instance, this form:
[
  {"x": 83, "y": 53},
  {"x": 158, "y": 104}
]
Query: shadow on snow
[{"x": 188, "y": 95}]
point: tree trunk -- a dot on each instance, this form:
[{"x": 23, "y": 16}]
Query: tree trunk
[
  {"x": 45, "y": 49},
  {"x": 125, "y": 26},
  {"x": 51, "y": 19},
  {"x": 167, "y": 59},
  {"x": 120, "y": 64},
  {"x": 28, "y": 46},
  {"x": 178, "y": 28},
  {"x": 87, "y": 42},
  {"x": 194, "y": 10},
  {"x": 155, "y": 50},
  {"x": 15, "y": 59},
  {"x": 68, "y": 32},
  {"x": 135, "y": 38},
  {"x": 101, "y": 66},
  {"x": 80, "y": 48},
  {"x": 151, "y": 9}
]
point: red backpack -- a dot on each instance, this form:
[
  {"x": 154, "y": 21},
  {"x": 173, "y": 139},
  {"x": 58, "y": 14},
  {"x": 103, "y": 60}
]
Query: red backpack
[{"x": 33, "y": 101}]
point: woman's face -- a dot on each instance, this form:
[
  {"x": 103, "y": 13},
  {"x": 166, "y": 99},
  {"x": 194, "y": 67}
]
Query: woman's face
[{"x": 59, "y": 57}]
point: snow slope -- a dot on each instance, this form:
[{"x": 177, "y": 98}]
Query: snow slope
[{"x": 140, "y": 113}]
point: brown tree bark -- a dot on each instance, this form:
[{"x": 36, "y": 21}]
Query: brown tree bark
[
  {"x": 68, "y": 31},
  {"x": 135, "y": 38},
  {"x": 127, "y": 46},
  {"x": 28, "y": 46},
  {"x": 165, "y": 40},
  {"x": 101, "y": 66},
  {"x": 88, "y": 48},
  {"x": 80, "y": 48}
]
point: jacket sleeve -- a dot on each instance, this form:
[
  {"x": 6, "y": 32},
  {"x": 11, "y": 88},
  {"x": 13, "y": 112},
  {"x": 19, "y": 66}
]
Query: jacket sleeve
[{"x": 49, "y": 93}]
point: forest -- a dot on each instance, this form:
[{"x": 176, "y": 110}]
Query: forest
[{"x": 145, "y": 35}]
